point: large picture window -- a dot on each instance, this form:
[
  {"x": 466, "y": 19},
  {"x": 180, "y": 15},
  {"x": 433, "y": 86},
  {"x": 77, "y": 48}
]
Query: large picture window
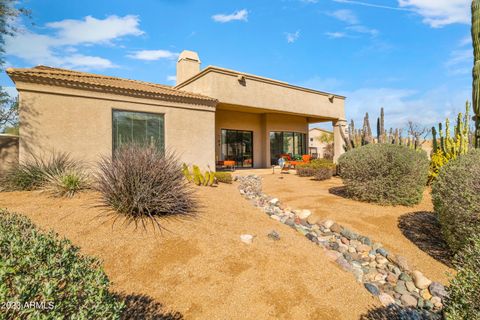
[
  {"x": 138, "y": 127},
  {"x": 291, "y": 143},
  {"x": 237, "y": 145}
]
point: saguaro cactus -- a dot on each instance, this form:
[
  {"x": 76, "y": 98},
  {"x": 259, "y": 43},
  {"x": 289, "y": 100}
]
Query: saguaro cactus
[{"x": 476, "y": 68}]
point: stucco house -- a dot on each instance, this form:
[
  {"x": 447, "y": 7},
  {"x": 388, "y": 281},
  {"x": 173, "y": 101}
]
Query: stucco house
[
  {"x": 316, "y": 146},
  {"x": 210, "y": 115}
]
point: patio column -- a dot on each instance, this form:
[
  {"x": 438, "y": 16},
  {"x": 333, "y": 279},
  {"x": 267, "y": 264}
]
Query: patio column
[{"x": 339, "y": 126}]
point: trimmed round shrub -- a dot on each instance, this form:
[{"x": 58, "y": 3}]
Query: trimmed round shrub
[
  {"x": 385, "y": 173},
  {"x": 45, "y": 277},
  {"x": 456, "y": 199},
  {"x": 464, "y": 290},
  {"x": 223, "y": 177},
  {"x": 310, "y": 169},
  {"x": 323, "y": 174},
  {"x": 142, "y": 182}
]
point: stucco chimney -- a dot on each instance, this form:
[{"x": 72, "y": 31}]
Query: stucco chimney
[{"x": 188, "y": 65}]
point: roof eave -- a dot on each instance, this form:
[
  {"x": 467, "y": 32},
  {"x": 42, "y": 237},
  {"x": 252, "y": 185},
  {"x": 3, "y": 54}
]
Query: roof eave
[{"x": 253, "y": 77}]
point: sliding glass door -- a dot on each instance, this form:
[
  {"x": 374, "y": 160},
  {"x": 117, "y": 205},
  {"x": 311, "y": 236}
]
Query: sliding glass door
[
  {"x": 283, "y": 142},
  {"x": 237, "y": 145}
]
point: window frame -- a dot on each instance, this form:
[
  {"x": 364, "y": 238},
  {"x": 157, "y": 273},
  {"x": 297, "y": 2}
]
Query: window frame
[{"x": 160, "y": 114}]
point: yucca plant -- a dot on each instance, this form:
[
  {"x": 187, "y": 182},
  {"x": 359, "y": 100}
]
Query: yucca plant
[
  {"x": 33, "y": 173},
  {"x": 66, "y": 183}
]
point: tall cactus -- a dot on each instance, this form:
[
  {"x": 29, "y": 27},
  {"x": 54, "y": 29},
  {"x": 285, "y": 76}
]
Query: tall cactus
[
  {"x": 381, "y": 127},
  {"x": 476, "y": 69},
  {"x": 434, "y": 140}
]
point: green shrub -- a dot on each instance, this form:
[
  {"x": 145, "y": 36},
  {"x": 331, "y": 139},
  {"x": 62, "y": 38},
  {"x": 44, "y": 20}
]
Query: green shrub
[
  {"x": 33, "y": 173},
  {"x": 305, "y": 170},
  {"x": 38, "y": 267},
  {"x": 142, "y": 182},
  {"x": 385, "y": 173},
  {"x": 456, "y": 199},
  {"x": 309, "y": 169},
  {"x": 323, "y": 174},
  {"x": 464, "y": 290},
  {"x": 66, "y": 183},
  {"x": 224, "y": 177}
]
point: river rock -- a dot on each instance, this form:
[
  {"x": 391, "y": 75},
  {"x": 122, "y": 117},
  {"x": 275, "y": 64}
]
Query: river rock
[
  {"x": 373, "y": 289},
  {"x": 274, "y": 235},
  {"x": 344, "y": 264},
  {"x": 391, "y": 278},
  {"x": 246, "y": 238},
  {"x": 336, "y": 228},
  {"x": 405, "y": 277},
  {"x": 381, "y": 260},
  {"x": 437, "y": 290},
  {"x": 313, "y": 219},
  {"x": 304, "y": 214},
  {"x": 274, "y": 201},
  {"x": 408, "y": 300},
  {"x": 400, "y": 287},
  {"x": 437, "y": 302},
  {"x": 350, "y": 235},
  {"x": 410, "y": 286},
  {"x": 386, "y": 299},
  {"x": 328, "y": 223},
  {"x": 382, "y": 251},
  {"x": 275, "y": 217},
  {"x": 420, "y": 280},
  {"x": 425, "y": 294}
]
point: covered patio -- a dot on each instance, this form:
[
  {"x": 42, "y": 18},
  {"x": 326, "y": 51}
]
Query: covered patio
[{"x": 258, "y": 119}]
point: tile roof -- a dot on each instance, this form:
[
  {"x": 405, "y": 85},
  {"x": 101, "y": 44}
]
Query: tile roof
[{"x": 96, "y": 82}]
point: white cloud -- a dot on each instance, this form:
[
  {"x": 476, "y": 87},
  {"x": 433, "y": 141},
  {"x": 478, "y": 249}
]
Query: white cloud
[
  {"x": 172, "y": 78},
  {"x": 292, "y": 37},
  {"x": 363, "y": 29},
  {"x": 353, "y": 22},
  {"x": 61, "y": 48},
  {"x": 345, "y": 15},
  {"x": 92, "y": 31},
  {"x": 240, "y": 15},
  {"x": 151, "y": 55},
  {"x": 439, "y": 13},
  {"x": 460, "y": 62},
  {"x": 87, "y": 62},
  {"x": 336, "y": 35}
]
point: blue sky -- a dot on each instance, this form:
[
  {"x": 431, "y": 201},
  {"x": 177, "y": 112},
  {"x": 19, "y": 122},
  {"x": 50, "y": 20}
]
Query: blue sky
[{"x": 412, "y": 57}]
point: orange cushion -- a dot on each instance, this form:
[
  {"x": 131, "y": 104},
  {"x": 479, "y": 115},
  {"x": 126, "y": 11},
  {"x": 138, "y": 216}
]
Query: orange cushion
[{"x": 306, "y": 158}]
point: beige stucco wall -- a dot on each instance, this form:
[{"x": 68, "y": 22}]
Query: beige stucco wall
[
  {"x": 263, "y": 93},
  {"x": 261, "y": 125},
  {"x": 80, "y": 122},
  {"x": 8, "y": 152}
]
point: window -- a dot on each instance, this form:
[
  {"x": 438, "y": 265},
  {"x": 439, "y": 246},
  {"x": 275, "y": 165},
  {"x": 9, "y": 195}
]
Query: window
[
  {"x": 311, "y": 139},
  {"x": 138, "y": 127},
  {"x": 237, "y": 145},
  {"x": 291, "y": 143}
]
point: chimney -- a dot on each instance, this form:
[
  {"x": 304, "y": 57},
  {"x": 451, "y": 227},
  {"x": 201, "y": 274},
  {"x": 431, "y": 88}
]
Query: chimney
[{"x": 188, "y": 65}]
